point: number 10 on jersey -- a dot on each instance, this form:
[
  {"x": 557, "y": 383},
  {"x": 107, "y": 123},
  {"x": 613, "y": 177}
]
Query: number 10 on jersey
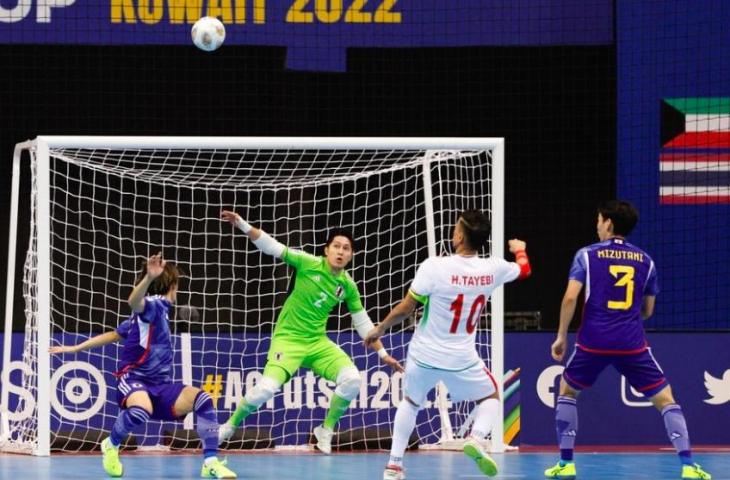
[{"x": 474, "y": 314}]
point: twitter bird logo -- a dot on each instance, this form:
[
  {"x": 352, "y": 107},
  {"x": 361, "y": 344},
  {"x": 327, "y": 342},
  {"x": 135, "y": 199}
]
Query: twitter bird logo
[{"x": 718, "y": 389}]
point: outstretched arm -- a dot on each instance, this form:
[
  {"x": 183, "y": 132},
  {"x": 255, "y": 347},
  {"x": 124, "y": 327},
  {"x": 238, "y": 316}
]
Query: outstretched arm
[
  {"x": 401, "y": 311},
  {"x": 97, "y": 341},
  {"x": 261, "y": 239}
]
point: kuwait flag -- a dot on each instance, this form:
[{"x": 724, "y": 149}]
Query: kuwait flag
[{"x": 694, "y": 164}]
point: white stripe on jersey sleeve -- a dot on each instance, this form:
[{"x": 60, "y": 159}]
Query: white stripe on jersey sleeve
[
  {"x": 588, "y": 275},
  {"x": 144, "y": 333}
]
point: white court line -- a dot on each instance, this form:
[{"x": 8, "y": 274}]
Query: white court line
[
  {"x": 525, "y": 476},
  {"x": 499, "y": 475}
]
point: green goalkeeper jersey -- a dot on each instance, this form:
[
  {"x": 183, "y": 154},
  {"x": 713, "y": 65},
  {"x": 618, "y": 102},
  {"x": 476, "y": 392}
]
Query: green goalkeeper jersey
[{"x": 316, "y": 292}]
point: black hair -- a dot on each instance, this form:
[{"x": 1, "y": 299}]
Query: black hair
[
  {"x": 623, "y": 215},
  {"x": 340, "y": 232},
  {"x": 476, "y": 227}
]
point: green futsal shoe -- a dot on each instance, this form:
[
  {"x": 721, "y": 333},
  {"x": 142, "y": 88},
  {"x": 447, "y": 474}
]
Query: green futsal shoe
[
  {"x": 562, "y": 470},
  {"x": 694, "y": 471},
  {"x": 473, "y": 450},
  {"x": 216, "y": 469},
  {"x": 112, "y": 465}
]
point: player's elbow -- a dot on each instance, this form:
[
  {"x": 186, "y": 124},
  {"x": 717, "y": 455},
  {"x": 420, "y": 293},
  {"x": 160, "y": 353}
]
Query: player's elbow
[
  {"x": 406, "y": 307},
  {"x": 569, "y": 301},
  {"x": 269, "y": 245},
  {"x": 136, "y": 304}
]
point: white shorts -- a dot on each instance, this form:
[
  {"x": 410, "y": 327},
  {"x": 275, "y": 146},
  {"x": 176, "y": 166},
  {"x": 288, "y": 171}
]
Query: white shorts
[{"x": 474, "y": 383}]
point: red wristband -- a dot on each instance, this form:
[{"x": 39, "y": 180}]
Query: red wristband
[{"x": 525, "y": 269}]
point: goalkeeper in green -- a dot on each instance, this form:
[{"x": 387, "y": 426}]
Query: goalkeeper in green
[{"x": 300, "y": 338}]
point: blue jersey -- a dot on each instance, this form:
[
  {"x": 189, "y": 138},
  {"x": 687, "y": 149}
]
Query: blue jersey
[
  {"x": 147, "y": 352},
  {"x": 616, "y": 275}
]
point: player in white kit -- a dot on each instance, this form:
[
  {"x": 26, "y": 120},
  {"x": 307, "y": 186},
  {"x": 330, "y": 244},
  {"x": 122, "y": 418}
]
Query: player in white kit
[{"x": 453, "y": 290}]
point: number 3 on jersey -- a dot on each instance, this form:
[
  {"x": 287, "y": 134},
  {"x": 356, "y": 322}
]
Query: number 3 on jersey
[
  {"x": 626, "y": 280},
  {"x": 474, "y": 314}
]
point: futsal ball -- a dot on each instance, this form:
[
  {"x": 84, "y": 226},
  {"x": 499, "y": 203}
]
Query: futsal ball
[{"x": 208, "y": 34}]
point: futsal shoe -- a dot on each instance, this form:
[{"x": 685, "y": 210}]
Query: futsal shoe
[
  {"x": 563, "y": 470},
  {"x": 324, "y": 439},
  {"x": 225, "y": 432},
  {"x": 473, "y": 450},
  {"x": 394, "y": 472},
  {"x": 694, "y": 471},
  {"x": 216, "y": 469},
  {"x": 112, "y": 465}
]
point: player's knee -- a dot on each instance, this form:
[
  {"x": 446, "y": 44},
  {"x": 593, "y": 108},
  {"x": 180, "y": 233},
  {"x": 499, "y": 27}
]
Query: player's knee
[
  {"x": 566, "y": 390},
  {"x": 265, "y": 389},
  {"x": 203, "y": 402},
  {"x": 139, "y": 399},
  {"x": 348, "y": 383},
  {"x": 138, "y": 415},
  {"x": 663, "y": 398}
]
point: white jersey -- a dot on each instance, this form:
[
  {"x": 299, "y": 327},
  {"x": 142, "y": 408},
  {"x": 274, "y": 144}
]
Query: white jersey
[{"x": 454, "y": 291}]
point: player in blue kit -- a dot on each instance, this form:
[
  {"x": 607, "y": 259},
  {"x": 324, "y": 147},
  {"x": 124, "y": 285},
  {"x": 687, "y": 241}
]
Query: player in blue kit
[
  {"x": 145, "y": 390},
  {"x": 621, "y": 286}
]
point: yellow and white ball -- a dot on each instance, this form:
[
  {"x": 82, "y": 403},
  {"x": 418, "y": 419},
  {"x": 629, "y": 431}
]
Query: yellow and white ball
[{"x": 208, "y": 34}]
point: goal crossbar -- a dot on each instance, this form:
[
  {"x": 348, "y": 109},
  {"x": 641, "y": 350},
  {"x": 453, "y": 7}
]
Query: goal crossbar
[{"x": 304, "y": 143}]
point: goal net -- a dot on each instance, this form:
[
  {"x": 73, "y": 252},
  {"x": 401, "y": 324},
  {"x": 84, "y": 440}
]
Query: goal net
[{"x": 100, "y": 206}]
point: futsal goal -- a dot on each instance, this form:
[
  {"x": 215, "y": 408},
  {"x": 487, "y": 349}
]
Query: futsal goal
[{"x": 93, "y": 208}]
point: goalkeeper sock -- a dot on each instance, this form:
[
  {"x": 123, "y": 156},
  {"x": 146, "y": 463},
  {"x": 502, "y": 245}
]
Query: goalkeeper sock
[
  {"x": 243, "y": 410},
  {"x": 403, "y": 425},
  {"x": 264, "y": 390},
  {"x": 338, "y": 406},
  {"x": 486, "y": 414}
]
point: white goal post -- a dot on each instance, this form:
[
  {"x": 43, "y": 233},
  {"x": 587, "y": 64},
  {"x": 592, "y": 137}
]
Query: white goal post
[{"x": 101, "y": 204}]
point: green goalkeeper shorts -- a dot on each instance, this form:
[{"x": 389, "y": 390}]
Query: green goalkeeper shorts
[{"x": 320, "y": 354}]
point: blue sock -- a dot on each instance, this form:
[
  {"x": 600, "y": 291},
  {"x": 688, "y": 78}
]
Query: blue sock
[
  {"x": 566, "y": 426},
  {"x": 126, "y": 421},
  {"x": 676, "y": 427},
  {"x": 207, "y": 424}
]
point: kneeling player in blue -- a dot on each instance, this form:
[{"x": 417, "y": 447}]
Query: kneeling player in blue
[
  {"x": 145, "y": 390},
  {"x": 621, "y": 288}
]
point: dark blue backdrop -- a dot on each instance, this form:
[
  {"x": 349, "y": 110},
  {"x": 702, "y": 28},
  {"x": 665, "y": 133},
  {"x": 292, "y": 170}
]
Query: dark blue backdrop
[
  {"x": 678, "y": 49},
  {"x": 312, "y": 43},
  {"x": 610, "y": 413}
]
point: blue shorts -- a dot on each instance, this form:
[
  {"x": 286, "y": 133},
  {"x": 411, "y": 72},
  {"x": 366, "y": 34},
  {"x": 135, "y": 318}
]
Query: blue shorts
[
  {"x": 640, "y": 369},
  {"x": 162, "y": 395}
]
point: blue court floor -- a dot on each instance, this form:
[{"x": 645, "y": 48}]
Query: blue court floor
[{"x": 419, "y": 466}]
